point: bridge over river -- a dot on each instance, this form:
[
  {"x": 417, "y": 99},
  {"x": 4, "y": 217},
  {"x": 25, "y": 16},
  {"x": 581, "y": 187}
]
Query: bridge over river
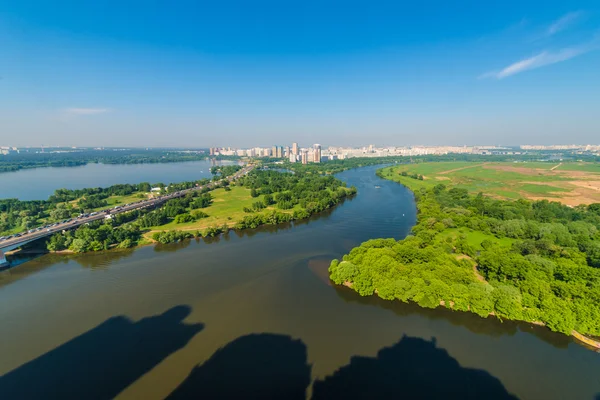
[{"x": 30, "y": 236}]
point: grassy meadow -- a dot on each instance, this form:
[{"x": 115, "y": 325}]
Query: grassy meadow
[{"x": 569, "y": 183}]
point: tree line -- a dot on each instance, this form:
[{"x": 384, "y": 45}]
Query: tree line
[{"x": 70, "y": 158}]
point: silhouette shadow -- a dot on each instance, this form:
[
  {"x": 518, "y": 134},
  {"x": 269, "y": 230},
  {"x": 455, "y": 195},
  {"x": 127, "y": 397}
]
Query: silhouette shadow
[
  {"x": 102, "y": 362},
  {"x": 257, "y": 366},
  {"x": 413, "y": 368}
]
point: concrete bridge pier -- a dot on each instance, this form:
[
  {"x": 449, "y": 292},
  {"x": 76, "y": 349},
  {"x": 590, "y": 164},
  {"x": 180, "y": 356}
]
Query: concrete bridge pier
[{"x": 3, "y": 260}]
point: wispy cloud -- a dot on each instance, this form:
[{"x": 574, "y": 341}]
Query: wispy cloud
[
  {"x": 563, "y": 22},
  {"x": 541, "y": 60},
  {"x": 86, "y": 111}
]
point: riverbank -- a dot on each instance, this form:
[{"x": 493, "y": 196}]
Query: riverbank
[{"x": 458, "y": 234}]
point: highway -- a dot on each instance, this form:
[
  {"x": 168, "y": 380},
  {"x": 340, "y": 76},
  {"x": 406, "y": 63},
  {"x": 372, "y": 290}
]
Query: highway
[{"x": 26, "y": 237}]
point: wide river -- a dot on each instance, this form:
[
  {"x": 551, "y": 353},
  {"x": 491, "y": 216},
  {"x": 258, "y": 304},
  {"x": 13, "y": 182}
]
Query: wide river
[
  {"x": 39, "y": 183},
  {"x": 255, "y": 310}
]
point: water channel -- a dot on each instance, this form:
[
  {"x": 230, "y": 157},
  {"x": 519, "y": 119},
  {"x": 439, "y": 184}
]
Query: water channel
[{"x": 196, "y": 318}]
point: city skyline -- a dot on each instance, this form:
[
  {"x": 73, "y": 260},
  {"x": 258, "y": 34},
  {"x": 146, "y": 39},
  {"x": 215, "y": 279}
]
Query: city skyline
[{"x": 393, "y": 73}]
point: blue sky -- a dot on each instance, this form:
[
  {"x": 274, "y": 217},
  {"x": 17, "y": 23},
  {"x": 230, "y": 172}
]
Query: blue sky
[{"x": 241, "y": 73}]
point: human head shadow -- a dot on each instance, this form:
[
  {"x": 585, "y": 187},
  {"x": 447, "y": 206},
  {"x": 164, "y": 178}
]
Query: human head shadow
[
  {"x": 413, "y": 368},
  {"x": 103, "y": 361},
  {"x": 256, "y": 366}
]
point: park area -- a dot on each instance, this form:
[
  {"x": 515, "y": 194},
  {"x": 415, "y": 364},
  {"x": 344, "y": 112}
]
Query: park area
[{"x": 571, "y": 183}]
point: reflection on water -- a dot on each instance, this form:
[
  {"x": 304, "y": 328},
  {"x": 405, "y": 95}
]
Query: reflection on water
[
  {"x": 490, "y": 326},
  {"x": 273, "y": 281}
]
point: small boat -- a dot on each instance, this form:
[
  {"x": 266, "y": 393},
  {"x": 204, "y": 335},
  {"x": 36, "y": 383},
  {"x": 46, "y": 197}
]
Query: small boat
[{"x": 377, "y": 187}]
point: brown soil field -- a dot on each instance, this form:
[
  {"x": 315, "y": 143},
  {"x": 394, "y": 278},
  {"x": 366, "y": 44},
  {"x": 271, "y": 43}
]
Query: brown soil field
[{"x": 583, "y": 187}]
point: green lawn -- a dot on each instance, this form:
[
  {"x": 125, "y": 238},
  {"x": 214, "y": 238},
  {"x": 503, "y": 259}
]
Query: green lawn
[
  {"x": 115, "y": 200},
  {"x": 585, "y": 167},
  {"x": 227, "y": 208},
  {"x": 545, "y": 190},
  {"x": 474, "y": 238}
]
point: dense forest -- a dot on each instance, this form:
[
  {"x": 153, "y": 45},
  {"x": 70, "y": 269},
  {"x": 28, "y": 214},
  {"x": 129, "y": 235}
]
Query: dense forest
[
  {"x": 70, "y": 158},
  {"x": 535, "y": 261},
  {"x": 304, "y": 194}
]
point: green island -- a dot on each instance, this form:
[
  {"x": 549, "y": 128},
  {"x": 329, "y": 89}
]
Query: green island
[
  {"x": 264, "y": 196},
  {"x": 506, "y": 254}
]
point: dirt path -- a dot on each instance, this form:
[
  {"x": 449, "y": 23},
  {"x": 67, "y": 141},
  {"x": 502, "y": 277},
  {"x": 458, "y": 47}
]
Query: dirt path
[
  {"x": 461, "y": 168},
  {"x": 479, "y": 277},
  {"x": 556, "y": 166}
]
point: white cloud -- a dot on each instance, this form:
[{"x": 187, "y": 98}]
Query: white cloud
[
  {"x": 563, "y": 22},
  {"x": 540, "y": 60},
  {"x": 86, "y": 111}
]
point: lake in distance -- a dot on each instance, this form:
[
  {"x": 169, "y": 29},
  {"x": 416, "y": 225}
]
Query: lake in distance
[
  {"x": 40, "y": 183},
  {"x": 166, "y": 320}
]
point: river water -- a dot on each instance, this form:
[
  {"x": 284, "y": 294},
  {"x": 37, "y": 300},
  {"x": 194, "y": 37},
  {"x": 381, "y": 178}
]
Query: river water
[
  {"x": 39, "y": 183},
  {"x": 225, "y": 317}
]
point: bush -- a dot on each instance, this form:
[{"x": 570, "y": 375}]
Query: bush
[{"x": 183, "y": 218}]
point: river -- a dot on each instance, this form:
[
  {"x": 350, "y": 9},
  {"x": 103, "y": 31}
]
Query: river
[
  {"x": 39, "y": 183},
  {"x": 200, "y": 318}
]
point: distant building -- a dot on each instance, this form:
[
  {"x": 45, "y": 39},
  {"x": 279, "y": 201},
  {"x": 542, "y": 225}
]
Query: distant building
[
  {"x": 304, "y": 157},
  {"x": 292, "y": 158},
  {"x": 317, "y": 153},
  {"x": 295, "y": 149}
]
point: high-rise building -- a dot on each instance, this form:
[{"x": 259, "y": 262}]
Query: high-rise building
[
  {"x": 304, "y": 157},
  {"x": 286, "y": 152},
  {"x": 295, "y": 148},
  {"x": 317, "y": 153},
  {"x": 292, "y": 158},
  {"x": 274, "y": 151},
  {"x": 279, "y": 151}
]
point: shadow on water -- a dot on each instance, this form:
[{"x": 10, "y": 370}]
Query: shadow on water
[
  {"x": 487, "y": 326},
  {"x": 257, "y": 366},
  {"x": 273, "y": 366},
  {"x": 102, "y": 362},
  {"x": 413, "y": 368}
]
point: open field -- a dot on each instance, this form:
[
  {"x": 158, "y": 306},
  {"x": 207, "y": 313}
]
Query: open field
[
  {"x": 474, "y": 238},
  {"x": 569, "y": 183},
  {"x": 227, "y": 209}
]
